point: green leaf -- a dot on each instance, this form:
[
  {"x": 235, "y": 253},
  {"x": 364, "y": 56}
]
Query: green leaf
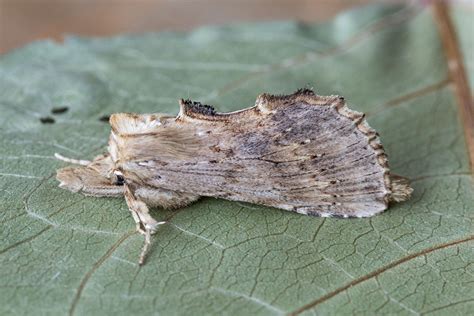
[{"x": 65, "y": 253}]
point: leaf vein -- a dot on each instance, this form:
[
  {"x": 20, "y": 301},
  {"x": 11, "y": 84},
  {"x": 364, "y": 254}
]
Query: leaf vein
[{"x": 378, "y": 272}]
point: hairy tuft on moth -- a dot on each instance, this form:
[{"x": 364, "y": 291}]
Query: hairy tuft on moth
[{"x": 301, "y": 152}]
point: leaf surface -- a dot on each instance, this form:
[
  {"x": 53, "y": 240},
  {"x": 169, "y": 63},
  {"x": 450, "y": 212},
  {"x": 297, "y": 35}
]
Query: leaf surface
[{"x": 65, "y": 253}]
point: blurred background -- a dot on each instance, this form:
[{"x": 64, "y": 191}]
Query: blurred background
[{"x": 23, "y": 21}]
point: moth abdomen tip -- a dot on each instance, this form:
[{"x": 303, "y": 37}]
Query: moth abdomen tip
[{"x": 401, "y": 189}]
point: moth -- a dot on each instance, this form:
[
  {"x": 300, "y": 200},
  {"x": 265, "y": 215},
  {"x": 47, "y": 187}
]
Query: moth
[{"x": 301, "y": 152}]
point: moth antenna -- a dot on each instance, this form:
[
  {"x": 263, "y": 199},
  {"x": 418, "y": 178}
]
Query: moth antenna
[
  {"x": 71, "y": 160},
  {"x": 401, "y": 190}
]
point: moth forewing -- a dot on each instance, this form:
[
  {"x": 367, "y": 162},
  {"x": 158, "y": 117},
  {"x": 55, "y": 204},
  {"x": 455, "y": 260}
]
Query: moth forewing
[{"x": 301, "y": 152}]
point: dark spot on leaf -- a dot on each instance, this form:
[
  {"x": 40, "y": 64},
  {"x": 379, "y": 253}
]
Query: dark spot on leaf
[
  {"x": 59, "y": 110},
  {"x": 47, "y": 120},
  {"x": 104, "y": 118}
]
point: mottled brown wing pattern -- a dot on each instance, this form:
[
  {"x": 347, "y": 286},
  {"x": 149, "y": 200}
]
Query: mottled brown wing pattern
[{"x": 301, "y": 152}]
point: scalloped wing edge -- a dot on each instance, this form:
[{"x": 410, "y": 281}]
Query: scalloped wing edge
[{"x": 398, "y": 187}]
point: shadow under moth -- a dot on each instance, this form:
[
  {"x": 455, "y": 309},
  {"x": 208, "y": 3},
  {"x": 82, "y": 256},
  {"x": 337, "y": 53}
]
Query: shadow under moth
[{"x": 301, "y": 152}]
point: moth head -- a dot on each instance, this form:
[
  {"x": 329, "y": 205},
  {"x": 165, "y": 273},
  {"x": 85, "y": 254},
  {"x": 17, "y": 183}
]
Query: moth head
[{"x": 97, "y": 178}]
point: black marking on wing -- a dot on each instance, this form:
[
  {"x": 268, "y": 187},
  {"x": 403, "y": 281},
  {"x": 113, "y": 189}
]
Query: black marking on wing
[{"x": 199, "y": 108}]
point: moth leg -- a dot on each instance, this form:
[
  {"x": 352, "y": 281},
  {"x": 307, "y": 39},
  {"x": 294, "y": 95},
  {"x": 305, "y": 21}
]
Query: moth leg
[
  {"x": 146, "y": 224},
  {"x": 71, "y": 160}
]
